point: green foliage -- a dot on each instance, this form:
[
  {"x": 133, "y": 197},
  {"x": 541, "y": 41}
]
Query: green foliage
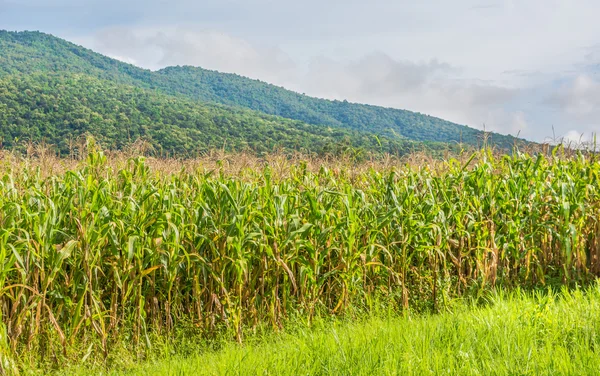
[
  {"x": 28, "y": 52},
  {"x": 233, "y": 89},
  {"x": 61, "y": 108},
  {"x": 102, "y": 253}
]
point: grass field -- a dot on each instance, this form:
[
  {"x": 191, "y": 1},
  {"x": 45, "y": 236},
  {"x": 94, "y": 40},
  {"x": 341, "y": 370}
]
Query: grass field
[
  {"x": 514, "y": 334},
  {"x": 111, "y": 256}
]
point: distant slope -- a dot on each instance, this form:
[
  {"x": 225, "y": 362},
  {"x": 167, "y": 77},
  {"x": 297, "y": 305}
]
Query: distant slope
[
  {"x": 237, "y": 90},
  {"x": 27, "y": 52},
  {"x": 59, "y": 108}
]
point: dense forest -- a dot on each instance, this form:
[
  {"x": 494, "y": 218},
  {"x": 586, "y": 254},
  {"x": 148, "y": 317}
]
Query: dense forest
[
  {"x": 186, "y": 109},
  {"x": 237, "y": 90},
  {"x": 60, "y": 108}
]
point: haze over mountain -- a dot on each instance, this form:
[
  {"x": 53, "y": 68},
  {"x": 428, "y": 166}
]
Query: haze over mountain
[{"x": 42, "y": 66}]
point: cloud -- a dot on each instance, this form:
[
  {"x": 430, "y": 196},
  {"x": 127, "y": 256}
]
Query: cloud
[
  {"x": 573, "y": 137},
  {"x": 579, "y": 97},
  {"x": 431, "y": 87},
  {"x": 156, "y": 48},
  {"x": 575, "y": 101},
  {"x": 376, "y": 74},
  {"x": 593, "y": 55}
]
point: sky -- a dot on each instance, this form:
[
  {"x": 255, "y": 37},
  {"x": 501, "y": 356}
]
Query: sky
[{"x": 528, "y": 67}]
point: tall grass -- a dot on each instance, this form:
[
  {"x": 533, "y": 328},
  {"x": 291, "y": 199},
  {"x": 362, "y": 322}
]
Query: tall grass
[
  {"x": 105, "y": 253},
  {"x": 518, "y": 334}
]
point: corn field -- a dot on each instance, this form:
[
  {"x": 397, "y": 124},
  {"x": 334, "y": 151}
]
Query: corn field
[{"x": 97, "y": 250}]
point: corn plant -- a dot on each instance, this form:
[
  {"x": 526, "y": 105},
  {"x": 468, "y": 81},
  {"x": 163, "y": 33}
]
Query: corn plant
[{"x": 99, "y": 251}]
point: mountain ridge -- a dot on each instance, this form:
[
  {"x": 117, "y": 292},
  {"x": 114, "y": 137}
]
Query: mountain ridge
[
  {"x": 28, "y": 52},
  {"x": 59, "y": 108}
]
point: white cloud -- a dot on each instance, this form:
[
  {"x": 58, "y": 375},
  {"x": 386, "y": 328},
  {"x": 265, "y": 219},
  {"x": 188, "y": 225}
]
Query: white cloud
[
  {"x": 580, "y": 97},
  {"x": 575, "y": 139},
  {"x": 573, "y": 136},
  {"x": 576, "y": 103},
  {"x": 374, "y": 75},
  {"x": 429, "y": 87},
  {"x": 156, "y": 48}
]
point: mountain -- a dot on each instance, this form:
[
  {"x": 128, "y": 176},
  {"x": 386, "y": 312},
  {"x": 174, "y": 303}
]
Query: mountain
[
  {"x": 233, "y": 89},
  {"x": 34, "y": 53},
  {"x": 59, "y": 108}
]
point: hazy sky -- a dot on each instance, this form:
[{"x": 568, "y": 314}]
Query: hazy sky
[{"x": 514, "y": 66}]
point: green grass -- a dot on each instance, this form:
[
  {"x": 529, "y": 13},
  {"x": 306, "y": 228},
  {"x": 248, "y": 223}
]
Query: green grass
[{"x": 517, "y": 334}]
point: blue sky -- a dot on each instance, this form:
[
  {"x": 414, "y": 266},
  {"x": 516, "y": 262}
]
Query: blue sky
[{"x": 526, "y": 67}]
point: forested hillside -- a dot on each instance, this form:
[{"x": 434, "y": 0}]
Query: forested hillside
[
  {"x": 24, "y": 53},
  {"x": 59, "y": 108},
  {"x": 237, "y": 90}
]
